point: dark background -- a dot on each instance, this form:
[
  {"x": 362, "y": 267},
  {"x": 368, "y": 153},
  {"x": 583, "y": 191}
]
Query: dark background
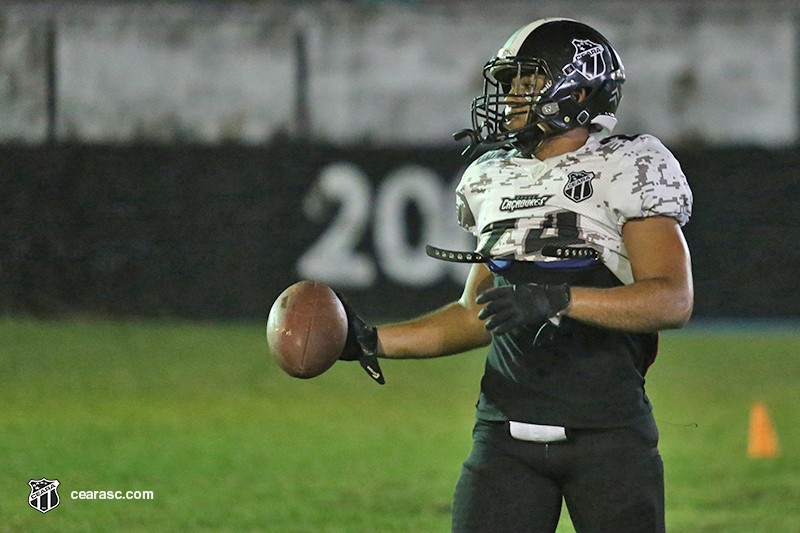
[{"x": 215, "y": 232}]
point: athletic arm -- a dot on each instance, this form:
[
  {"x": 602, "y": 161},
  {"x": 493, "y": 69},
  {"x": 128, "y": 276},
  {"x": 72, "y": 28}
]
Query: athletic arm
[
  {"x": 452, "y": 329},
  {"x": 662, "y": 294}
]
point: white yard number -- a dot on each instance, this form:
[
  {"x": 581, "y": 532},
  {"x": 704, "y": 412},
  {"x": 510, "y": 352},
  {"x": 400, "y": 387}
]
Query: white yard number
[{"x": 334, "y": 259}]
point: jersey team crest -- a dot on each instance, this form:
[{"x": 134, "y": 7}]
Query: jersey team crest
[
  {"x": 44, "y": 494},
  {"x": 579, "y": 186}
]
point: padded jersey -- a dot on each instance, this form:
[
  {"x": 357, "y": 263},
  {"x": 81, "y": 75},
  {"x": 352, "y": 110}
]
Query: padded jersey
[
  {"x": 574, "y": 375},
  {"x": 515, "y": 206}
]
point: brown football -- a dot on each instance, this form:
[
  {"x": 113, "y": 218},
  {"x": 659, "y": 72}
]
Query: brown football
[{"x": 306, "y": 329}]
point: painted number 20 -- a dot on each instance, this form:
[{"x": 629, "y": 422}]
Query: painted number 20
[{"x": 334, "y": 257}]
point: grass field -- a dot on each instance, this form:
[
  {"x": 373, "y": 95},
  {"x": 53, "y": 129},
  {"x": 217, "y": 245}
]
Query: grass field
[{"x": 200, "y": 415}]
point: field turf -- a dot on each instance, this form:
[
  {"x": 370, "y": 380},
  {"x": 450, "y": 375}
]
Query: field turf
[{"x": 199, "y": 414}]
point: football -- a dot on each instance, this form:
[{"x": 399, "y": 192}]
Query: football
[{"x": 306, "y": 329}]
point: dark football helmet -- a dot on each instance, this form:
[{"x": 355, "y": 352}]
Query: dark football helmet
[{"x": 559, "y": 73}]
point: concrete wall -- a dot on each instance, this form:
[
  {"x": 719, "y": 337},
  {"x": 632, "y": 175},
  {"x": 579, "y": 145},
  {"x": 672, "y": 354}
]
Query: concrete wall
[{"x": 716, "y": 73}]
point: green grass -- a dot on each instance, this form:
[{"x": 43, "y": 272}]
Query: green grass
[{"x": 200, "y": 415}]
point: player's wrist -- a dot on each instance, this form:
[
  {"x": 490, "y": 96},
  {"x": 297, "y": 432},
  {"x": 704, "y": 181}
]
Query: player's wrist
[{"x": 559, "y": 298}]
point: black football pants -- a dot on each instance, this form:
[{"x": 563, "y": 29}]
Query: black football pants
[{"x": 612, "y": 481}]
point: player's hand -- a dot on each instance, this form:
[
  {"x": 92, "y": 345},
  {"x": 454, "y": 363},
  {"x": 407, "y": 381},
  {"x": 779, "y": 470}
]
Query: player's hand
[
  {"x": 362, "y": 343},
  {"x": 523, "y": 304}
]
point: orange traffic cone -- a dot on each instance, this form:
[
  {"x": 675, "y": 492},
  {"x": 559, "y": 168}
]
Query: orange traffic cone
[{"x": 762, "y": 441}]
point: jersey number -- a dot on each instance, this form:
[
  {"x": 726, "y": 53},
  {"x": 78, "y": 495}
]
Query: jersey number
[{"x": 559, "y": 228}]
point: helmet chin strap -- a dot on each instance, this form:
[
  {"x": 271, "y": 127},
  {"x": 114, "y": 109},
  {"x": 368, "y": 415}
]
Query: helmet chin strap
[
  {"x": 528, "y": 139},
  {"x": 474, "y": 141}
]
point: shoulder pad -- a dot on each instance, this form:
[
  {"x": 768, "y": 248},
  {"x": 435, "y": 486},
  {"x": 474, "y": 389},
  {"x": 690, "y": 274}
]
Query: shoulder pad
[{"x": 620, "y": 137}]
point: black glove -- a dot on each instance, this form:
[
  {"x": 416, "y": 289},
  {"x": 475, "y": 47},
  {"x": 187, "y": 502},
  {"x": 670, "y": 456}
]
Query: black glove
[
  {"x": 362, "y": 343},
  {"x": 512, "y": 306}
]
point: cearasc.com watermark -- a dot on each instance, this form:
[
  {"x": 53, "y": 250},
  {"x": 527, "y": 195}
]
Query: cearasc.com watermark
[
  {"x": 111, "y": 495},
  {"x": 44, "y": 495}
]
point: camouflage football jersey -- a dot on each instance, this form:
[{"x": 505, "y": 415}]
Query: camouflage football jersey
[
  {"x": 517, "y": 206},
  {"x": 575, "y": 375}
]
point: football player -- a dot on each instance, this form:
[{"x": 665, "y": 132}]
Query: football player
[{"x": 580, "y": 261}]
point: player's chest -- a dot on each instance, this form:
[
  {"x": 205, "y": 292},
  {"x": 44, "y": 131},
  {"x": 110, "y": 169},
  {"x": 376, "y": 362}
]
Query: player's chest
[{"x": 513, "y": 188}]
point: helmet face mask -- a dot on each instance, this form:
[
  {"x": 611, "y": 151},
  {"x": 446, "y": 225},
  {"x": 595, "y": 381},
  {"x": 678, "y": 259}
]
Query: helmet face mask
[
  {"x": 513, "y": 88},
  {"x": 557, "y": 74},
  {"x": 518, "y": 86}
]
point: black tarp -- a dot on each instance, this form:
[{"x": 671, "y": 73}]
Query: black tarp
[{"x": 217, "y": 232}]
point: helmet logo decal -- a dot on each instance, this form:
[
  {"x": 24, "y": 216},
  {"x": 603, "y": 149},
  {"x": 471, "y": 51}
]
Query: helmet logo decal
[{"x": 588, "y": 59}]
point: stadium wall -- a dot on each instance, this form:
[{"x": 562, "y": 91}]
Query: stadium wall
[
  {"x": 218, "y": 232},
  {"x": 717, "y": 73}
]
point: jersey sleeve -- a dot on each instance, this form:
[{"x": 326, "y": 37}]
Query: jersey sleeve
[
  {"x": 466, "y": 218},
  {"x": 650, "y": 182},
  {"x": 472, "y": 188}
]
